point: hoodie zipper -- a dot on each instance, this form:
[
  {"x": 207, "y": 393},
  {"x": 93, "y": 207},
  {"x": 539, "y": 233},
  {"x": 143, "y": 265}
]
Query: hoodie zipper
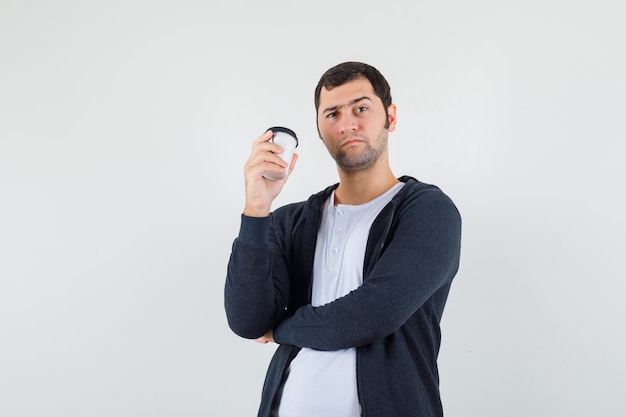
[{"x": 384, "y": 237}]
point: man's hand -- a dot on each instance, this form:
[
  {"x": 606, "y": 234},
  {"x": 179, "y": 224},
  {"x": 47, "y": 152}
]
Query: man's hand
[
  {"x": 266, "y": 338},
  {"x": 260, "y": 192}
]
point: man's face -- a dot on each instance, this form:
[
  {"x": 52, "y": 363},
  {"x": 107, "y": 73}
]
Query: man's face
[{"x": 351, "y": 121}]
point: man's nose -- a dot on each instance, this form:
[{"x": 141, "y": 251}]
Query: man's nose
[{"x": 349, "y": 123}]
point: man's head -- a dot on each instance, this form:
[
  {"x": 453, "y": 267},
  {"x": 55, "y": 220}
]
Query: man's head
[
  {"x": 353, "y": 120},
  {"x": 348, "y": 71}
]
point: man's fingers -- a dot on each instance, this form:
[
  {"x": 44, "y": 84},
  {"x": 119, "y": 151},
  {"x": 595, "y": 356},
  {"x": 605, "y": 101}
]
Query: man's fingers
[{"x": 265, "y": 137}]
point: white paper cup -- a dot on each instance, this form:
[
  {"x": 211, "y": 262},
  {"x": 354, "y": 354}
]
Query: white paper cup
[{"x": 287, "y": 140}]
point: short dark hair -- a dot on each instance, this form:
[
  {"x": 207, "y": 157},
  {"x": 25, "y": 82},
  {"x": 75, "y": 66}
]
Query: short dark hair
[{"x": 348, "y": 71}]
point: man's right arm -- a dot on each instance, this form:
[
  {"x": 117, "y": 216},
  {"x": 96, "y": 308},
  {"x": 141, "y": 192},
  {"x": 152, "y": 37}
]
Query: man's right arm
[
  {"x": 257, "y": 281},
  {"x": 256, "y": 290}
]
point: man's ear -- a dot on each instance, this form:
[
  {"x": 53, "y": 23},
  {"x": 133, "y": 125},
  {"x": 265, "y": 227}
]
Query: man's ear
[{"x": 391, "y": 112}]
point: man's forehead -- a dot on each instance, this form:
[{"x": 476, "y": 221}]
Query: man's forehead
[{"x": 347, "y": 92}]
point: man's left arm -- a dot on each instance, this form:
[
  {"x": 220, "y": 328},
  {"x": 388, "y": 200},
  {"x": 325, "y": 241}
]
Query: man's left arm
[{"x": 422, "y": 257}]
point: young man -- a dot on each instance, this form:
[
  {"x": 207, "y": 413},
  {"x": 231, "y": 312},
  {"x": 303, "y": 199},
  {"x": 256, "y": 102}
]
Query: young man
[{"x": 351, "y": 283}]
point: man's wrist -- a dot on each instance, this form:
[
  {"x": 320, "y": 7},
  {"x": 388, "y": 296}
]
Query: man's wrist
[{"x": 256, "y": 212}]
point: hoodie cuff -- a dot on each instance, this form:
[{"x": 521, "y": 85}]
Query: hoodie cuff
[{"x": 254, "y": 231}]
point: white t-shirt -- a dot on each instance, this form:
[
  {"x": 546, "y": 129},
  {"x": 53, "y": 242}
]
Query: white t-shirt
[{"x": 323, "y": 383}]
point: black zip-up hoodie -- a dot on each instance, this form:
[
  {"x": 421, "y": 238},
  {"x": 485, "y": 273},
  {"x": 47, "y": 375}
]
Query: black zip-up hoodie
[{"x": 392, "y": 319}]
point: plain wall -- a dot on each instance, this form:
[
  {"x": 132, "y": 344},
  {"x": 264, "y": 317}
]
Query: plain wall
[{"x": 124, "y": 127}]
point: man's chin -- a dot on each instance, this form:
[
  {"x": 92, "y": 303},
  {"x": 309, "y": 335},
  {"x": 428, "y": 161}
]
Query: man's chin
[{"x": 354, "y": 166}]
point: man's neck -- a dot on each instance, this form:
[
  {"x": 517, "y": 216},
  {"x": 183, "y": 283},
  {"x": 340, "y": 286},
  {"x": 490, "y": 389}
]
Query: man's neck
[{"x": 362, "y": 187}]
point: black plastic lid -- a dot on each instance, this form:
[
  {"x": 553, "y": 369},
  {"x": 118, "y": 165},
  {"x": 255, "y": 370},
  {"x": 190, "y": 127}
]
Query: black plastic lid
[{"x": 284, "y": 130}]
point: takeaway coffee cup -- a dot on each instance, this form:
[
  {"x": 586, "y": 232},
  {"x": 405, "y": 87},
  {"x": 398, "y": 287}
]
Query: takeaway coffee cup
[{"x": 288, "y": 140}]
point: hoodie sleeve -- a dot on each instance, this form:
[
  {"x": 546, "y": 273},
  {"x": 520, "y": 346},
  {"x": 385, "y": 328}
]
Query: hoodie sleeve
[{"x": 256, "y": 285}]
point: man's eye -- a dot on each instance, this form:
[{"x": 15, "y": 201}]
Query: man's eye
[
  {"x": 331, "y": 115},
  {"x": 360, "y": 109}
]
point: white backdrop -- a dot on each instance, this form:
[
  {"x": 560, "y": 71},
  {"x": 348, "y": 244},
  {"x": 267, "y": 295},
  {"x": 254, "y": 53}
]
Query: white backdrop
[{"x": 124, "y": 127}]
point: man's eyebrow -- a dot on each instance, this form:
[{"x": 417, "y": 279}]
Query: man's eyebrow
[{"x": 352, "y": 102}]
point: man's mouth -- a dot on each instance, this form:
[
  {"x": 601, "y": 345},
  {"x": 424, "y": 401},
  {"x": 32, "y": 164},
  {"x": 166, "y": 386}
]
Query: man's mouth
[{"x": 351, "y": 141}]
